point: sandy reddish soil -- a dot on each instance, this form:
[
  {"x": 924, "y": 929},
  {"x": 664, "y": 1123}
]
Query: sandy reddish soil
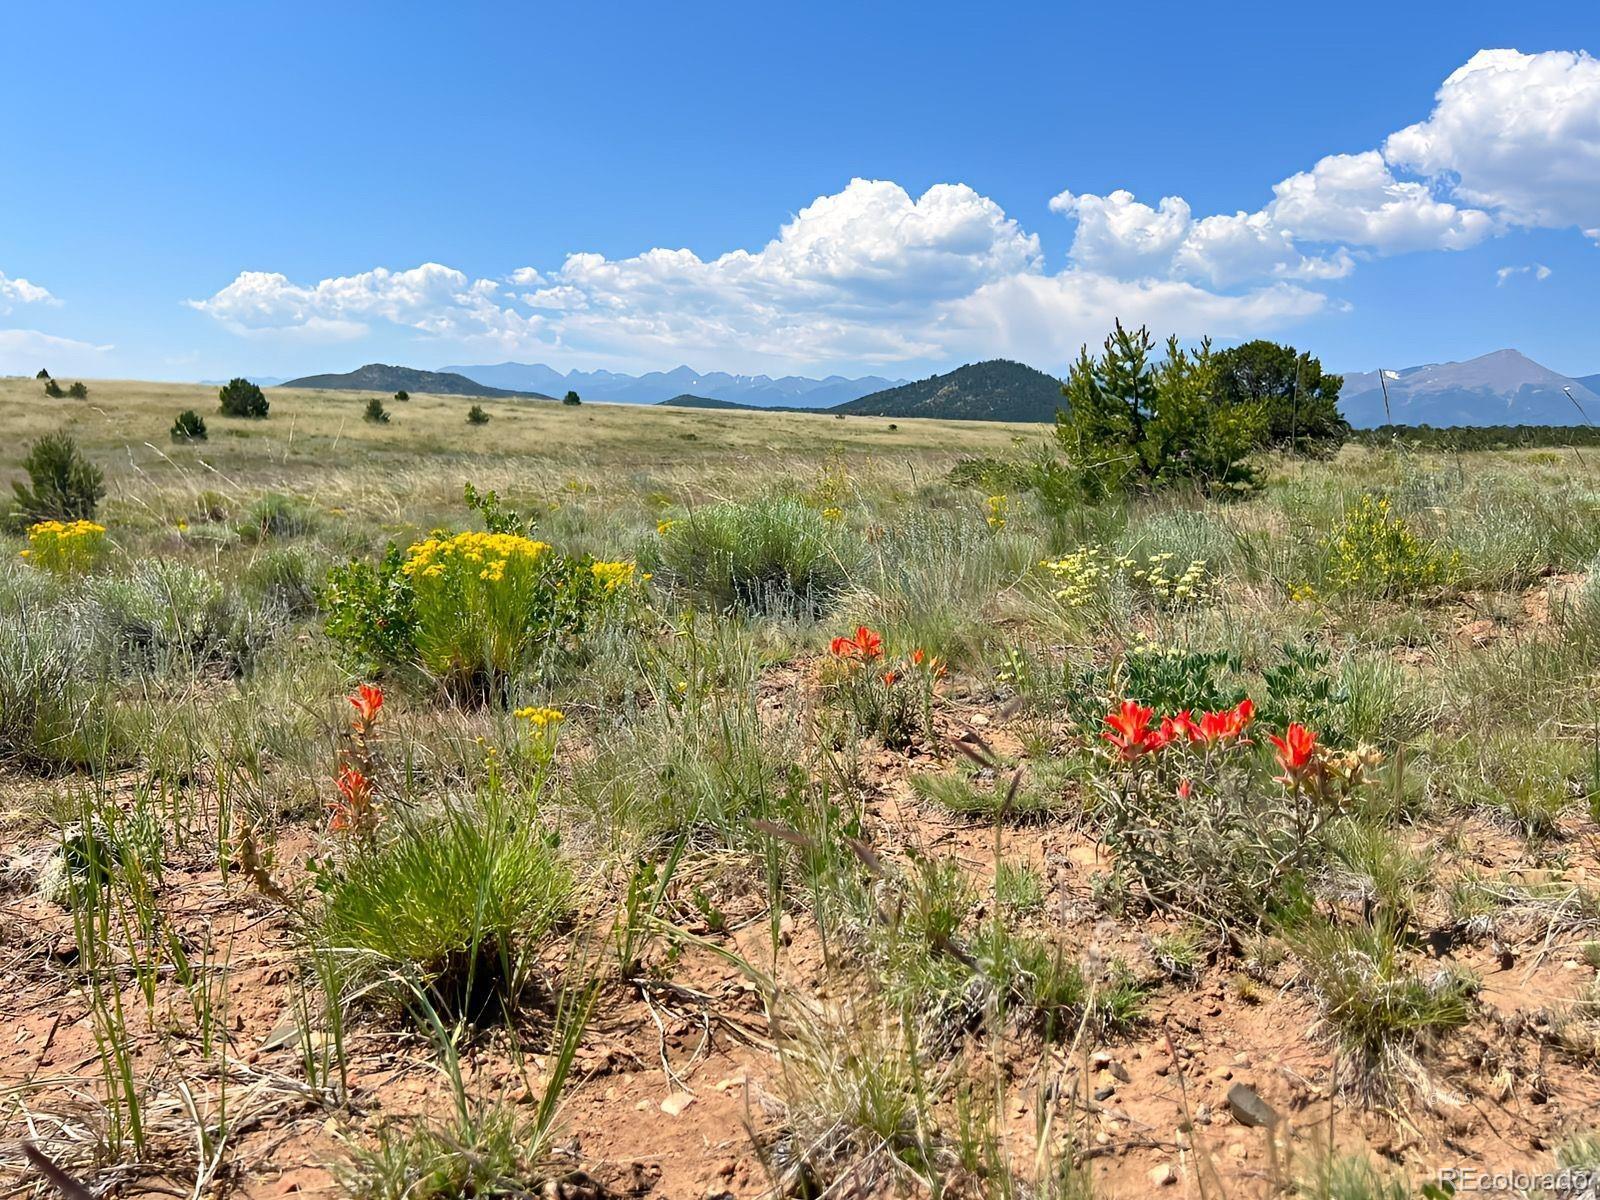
[{"x": 676, "y": 1085}]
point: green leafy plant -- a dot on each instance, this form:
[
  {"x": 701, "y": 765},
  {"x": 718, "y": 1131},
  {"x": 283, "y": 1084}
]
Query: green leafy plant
[
  {"x": 375, "y": 413},
  {"x": 476, "y": 415}
]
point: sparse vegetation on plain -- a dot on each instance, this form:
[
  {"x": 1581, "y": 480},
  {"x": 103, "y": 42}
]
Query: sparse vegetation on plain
[{"x": 686, "y": 802}]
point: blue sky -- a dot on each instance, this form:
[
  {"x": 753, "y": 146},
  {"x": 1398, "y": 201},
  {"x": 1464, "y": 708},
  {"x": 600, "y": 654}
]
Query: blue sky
[{"x": 200, "y": 190}]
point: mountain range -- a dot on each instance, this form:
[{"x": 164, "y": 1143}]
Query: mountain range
[
  {"x": 756, "y": 391},
  {"x": 1505, "y": 387}
]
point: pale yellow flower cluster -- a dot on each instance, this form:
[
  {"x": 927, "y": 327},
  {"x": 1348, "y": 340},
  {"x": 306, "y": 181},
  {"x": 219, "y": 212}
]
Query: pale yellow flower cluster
[
  {"x": 1080, "y": 574},
  {"x": 488, "y": 552}
]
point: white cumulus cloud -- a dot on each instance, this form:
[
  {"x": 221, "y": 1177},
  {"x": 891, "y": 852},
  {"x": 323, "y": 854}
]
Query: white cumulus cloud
[
  {"x": 20, "y": 291},
  {"x": 1515, "y": 133},
  {"x": 869, "y": 274}
]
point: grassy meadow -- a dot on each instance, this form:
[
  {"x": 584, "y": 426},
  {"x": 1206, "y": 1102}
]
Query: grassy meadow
[{"x": 760, "y": 804}]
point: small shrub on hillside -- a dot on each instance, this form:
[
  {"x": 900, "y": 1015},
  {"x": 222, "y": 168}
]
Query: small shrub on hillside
[
  {"x": 53, "y": 389},
  {"x": 62, "y": 484},
  {"x": 189, "y": 426},
  {"x": 476, "y": 415},
  {"x": 771, "y": 555},
  {"x": 402, "y": 396},
  {"x": 456, "y": 907},
  {"x": 241, "y": 398},
  {"x": 571, "y": 398},
  {"x": 79, "y": 390},
  {"x": 43, "y": 374},
  {"x": 375, "y": 412},
  {"x": 65, "y": 547}
]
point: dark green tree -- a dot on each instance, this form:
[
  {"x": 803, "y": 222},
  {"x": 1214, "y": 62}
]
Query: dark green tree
[
  {"x": 402, "y": 395},
  {"x": 476, "y": 415},
  {"x": 79, "y": 390},
  {"x": 375, "y": 412},
  {"x": 241, "y": 398},
  {"x": 53, "y": 389},
  {"x": 43, "y": 374},
  {"x": 1300, "y": 403},
  {"x": 1130, "y": 422},
  {"x": 571, "y": 398},
  {"x": 62, "y": 484}
]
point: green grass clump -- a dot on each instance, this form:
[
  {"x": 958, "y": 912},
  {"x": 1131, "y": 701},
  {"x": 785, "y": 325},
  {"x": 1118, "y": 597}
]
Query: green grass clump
[{"x": 455, "y": 908}]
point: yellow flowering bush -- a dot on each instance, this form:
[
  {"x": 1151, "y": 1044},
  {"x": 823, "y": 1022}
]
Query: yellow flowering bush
[
  {"x": 1079, "y": 576},
  {"x": 1373, "y": 550},
  {"x": 65, "y": 547},
  {"x": 471, "y": 608},
  {"x": 995, "y": 511}
]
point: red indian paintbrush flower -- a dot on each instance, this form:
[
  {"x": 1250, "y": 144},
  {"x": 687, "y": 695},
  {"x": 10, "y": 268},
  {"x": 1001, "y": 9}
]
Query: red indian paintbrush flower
[
  {"x": 368, "y": 699},
  {"x": 1296, "y": 750},
  {"x": 866, "y": 645},
  {"x": 1223, "y": 726},
  {"x": 353, "y": 810},
  {"x": 1130, "y": 729}
]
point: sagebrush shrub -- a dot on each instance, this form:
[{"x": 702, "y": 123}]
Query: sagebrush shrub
[{"x": 769, "y": 555}]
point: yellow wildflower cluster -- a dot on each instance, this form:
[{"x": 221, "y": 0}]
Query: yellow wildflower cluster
[
  {"x": 485, "y": 554},
  {"x": 541, "y": 718},
  {"x": 613, "y": 575},
  {"x": 833, "y": 513},
  {"x": 663, "y": 526},
  {"x": 65, "y": 546},
  {"x": 995, "y": 511}
]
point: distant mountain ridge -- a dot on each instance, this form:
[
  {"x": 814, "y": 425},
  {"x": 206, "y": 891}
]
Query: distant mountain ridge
[
  {"x": 1504, "y": 387},
  {"x": 757, "y": 391},
  {"x": 997, "y": 390},
  {"x": 380, "y": 377}
]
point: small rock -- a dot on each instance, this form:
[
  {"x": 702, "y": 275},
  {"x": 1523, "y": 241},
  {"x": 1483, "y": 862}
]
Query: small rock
[
  {"x": 1105, "y": 1093},
  {"x": 1241, "y": 1059},
  {"x": 979, "y": 720},
  {"x": 674, "y": 1104},
  {"x": 1164, "y": 1176},
  {"x": 1249, "y": 1109},
  {"x": 1119, "y": 1072}
]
